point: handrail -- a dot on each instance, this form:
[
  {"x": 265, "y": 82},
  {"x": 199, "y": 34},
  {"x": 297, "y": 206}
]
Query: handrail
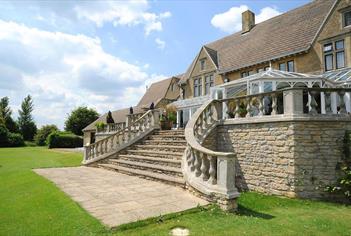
[
  {"x": 190, "y": 136},
  {"x": 123, "y": 138},
  {"x": 210, "y": 172}
]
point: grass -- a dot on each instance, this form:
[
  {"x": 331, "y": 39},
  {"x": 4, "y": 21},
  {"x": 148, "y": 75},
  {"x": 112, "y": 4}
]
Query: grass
[{"x": 32, "y": 205}]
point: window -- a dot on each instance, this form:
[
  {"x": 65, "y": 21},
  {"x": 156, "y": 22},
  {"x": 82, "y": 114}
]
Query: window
[
  {"x": 334, "y": 50},
  {"x": 291, "y": 66},
  {"x": 244, "y": 74},
  {"x": 260, "y": 70},
  {"x": 347, "y": 18},
  {"x": 328, "y": 60},
  {"x": 251, "y": 72},
  {"x": 196, "y": 87},
  {"x": 266, "y": 68},
  {"x": 202, "y": 64},
  {"x": 282, "y": 66},
  {"x": 208, "y": 83}
]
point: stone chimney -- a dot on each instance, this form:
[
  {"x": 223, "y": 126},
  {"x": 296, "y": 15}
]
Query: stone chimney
[{"x": 248, "y": 19}]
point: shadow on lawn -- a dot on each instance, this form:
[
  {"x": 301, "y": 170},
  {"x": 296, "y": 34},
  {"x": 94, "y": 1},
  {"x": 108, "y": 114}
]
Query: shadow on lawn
[{"x": 243, "y": 211}]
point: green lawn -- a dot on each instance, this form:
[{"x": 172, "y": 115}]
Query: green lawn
[{"x": 32, "y": 205}]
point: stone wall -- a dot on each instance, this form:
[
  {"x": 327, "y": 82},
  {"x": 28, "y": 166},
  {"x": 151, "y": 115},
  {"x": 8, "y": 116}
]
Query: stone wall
[{"x": 290, "y": 158}]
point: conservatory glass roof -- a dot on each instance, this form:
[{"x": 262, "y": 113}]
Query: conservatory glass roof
[{"x": 339, "y": 76}]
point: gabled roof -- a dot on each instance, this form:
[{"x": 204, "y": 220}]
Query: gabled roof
[
  {"x": 287, "y": 34},
  {"x": 156, "y": 92},
  {"x": 118, "y": 116}
]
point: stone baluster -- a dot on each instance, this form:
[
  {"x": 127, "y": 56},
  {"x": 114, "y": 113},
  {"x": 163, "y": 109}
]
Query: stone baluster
[
  {"x": 204, "y": 167},
  {"x": 212, "y": 170},
  {"x": 197, "y": 163},
  {"x": 260, "y": 105},
  {"x": 342, "y": 106},
  {"x": 248, "y": 106},
  {"x": 328, "y": 108},
  {"x": 313, "y": 104},
  {"x": 274, "y": 104}
]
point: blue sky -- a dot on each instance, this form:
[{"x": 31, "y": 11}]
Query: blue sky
[{"x": 103, "y": 54}]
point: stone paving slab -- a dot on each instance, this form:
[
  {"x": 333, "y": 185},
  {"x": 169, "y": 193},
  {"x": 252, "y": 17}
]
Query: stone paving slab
[{"x": 116, "y": 198}]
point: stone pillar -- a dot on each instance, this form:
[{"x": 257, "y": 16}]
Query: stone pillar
[
  {"x": 178, "y": 119},
  {"x": 323, "y": 110},
  {"x": 155, "y": 118},
  {"x": 334, "y": 102},
  {"x": 347, "y": 98},
  {"x": 293, "y": 102},
  {"x": 226, "y": 182}
]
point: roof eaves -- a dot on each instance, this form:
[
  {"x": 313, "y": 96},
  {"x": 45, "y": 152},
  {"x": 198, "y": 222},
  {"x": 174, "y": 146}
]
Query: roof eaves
[{"x": 265, "y": 61}]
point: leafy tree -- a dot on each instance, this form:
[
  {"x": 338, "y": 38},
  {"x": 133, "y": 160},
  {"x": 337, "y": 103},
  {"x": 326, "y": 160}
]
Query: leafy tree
[
  {"x": 79, "y": 119},
  {"x": 3, "y": 135},
  {"x": 109, "y": 118},
  {"x": 26, "y": 123},
  {"x": 43, "y": 133},
  {"x": 5, "y": 113}
]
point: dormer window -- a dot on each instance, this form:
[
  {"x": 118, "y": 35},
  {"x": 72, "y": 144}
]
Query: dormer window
[
  {"x": 347, "y": 18},
  {"x": 202, "y": 64}
]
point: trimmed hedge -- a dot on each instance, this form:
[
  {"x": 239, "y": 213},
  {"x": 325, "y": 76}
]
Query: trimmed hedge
[
  {"x": 8, "y": 139},
  {"x": 64, "y": 140}
]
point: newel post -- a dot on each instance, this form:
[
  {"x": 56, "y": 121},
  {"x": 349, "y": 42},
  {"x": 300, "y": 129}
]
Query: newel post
[
  {"x": 226, "y": 176},
  {"x": 156, "y": 118},
  {"x": 293, "y": 102},
  {"x": 86, "y": 153}
]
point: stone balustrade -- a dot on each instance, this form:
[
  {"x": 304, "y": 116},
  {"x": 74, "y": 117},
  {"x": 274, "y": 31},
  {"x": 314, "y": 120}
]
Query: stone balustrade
[
  {"x": 212, "y": 173},
  {"x": 125, "y": 137},
  {"x": 208, "y": 172},
  {"x": 111, "y": 128}
]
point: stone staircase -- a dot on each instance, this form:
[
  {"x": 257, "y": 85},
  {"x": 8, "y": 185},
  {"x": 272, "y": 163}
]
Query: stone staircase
[{"x": 157, "y": 157}]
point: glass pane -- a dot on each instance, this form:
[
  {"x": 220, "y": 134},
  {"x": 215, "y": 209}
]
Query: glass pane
[
  {"x": 282, "y": 67},
  {"x": 339, "y": 45},
  {"x": 340, "y": 60},
  {"x": 251, "y": 72},
  {"x": 291, "y": 66},
  {"x": 328, "y": 62},
  {"x": 211, "y": 78},
  {"x": 260, "y": 70},
  {"x": 347, "y": 18},
  {"x": 200, "y": 90},
  {"x": 266, "y": 68},
  {"x": 328, "y": 47}
]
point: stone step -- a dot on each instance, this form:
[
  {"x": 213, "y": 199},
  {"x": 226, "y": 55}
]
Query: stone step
[
  {"x": 150, "y": 160},
  {"x": 166, "y": 137},
  {"x": 167, "y": 132},
  {"x": 179, "y": 148},
  {"x": 161, "y": 169},
  {"x": 174, "y": 180},
  {"x": 164, "y": 142},
  {"x": 153, "y": 153}
]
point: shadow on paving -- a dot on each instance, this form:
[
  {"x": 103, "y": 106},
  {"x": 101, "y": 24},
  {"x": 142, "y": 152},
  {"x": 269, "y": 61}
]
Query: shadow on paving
[{"x": 244, "y": 211}]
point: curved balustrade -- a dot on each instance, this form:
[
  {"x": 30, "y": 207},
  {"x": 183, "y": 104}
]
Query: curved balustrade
[
  {"x": 208, "y": 171},
  {"x": 123, "y": 138}
]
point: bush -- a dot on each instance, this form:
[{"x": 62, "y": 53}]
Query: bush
[
  {"x": 43, "y": 133},
  {"x": 3, "y": 135},
  {"x": 64, "y": 140},
  {"x": 8, "y": 139},
  {"x": 15, "y": 140}
]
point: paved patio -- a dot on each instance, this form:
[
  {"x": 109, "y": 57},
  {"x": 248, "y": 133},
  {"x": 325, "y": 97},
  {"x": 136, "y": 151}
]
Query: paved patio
[{"x": 115, "y": 198}]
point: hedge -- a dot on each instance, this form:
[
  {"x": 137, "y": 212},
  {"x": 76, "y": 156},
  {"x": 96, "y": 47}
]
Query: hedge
[
  {"x": 8, "y": 139},
  {"x": 64, "y": 140}
]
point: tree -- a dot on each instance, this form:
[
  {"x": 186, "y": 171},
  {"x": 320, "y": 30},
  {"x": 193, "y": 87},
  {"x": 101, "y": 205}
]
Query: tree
[
  {"x": 79, "y": 119},
  {"x": 5, "y": 113},
  {"x": 109, "y": 118},
  {"x": 43, "y": 133},
  {"x": 26, "y": 123}
]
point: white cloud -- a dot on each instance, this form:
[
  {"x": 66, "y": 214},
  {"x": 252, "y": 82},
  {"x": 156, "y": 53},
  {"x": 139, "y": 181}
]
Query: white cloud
[
  {"x": 129, "y": 13},
  {"x": 160, "y": 43},
  {"x": 62, "y": 71},
  {"x": 230, "y": 21}
]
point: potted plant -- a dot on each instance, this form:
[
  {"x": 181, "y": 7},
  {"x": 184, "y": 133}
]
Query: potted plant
[
  {"x": 100, "y": 126},
  {"x": 169, "y": 118}
]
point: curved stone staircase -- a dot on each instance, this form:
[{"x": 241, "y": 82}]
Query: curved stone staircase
[{"x": 158, "y": 157}]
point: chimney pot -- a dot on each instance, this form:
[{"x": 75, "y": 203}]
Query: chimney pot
[{"x": 248, "y": 21}]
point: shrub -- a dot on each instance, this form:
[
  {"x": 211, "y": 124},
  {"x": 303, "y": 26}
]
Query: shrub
[
  {"x": 79, "y": 119},
  {"x": 43, "y": 133},
  {"x": 64, "y": 140},
  {"x": 3, "y": 135},
  {"x": 15, "y": 140}
]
